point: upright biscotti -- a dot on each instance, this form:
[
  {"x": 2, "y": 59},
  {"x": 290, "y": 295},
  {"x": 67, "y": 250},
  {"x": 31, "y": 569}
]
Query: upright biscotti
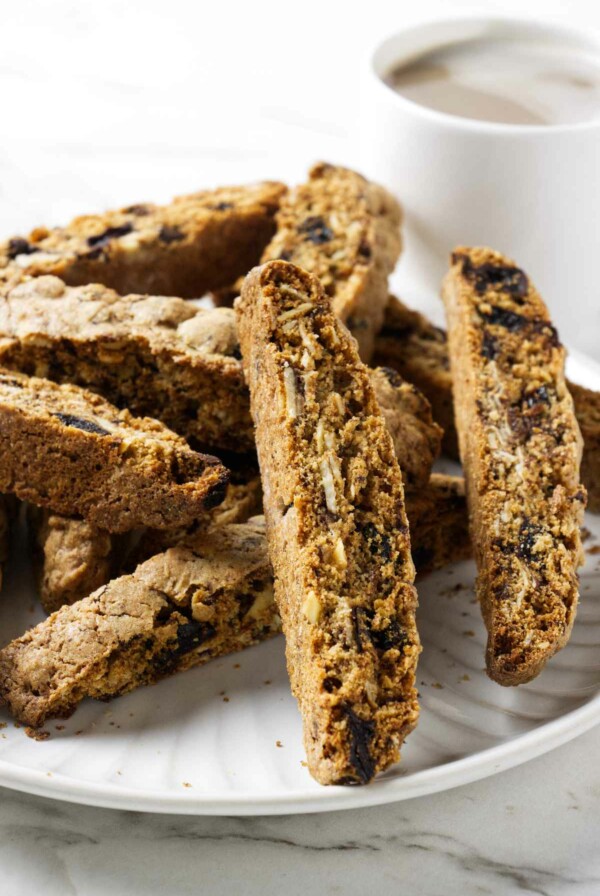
[
  {"x": 157, "y": 356},
  {"x": 346, "y": 231},
  {"x": 197, "y": 243},
  {"x": 521, "y": 447},
  {"x": 72, "y": 451},
  {"x": 177, "y": 610},
  {"x": 418, "y": 350},
  {"x": 336, "y": 524}
]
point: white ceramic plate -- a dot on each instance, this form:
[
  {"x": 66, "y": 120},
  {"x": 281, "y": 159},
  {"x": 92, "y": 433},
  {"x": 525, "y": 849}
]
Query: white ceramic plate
[{"x": 226, "y": 739}]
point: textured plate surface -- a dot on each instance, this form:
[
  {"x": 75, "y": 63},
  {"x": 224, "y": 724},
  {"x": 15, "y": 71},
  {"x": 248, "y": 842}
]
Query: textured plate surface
[{"x": 226, "y": 739}]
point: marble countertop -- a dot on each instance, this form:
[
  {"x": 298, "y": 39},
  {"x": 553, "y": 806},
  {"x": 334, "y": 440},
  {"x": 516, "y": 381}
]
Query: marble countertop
[
  {"x": 531, "y": 830},
  {"x": 110, "y": 103}
]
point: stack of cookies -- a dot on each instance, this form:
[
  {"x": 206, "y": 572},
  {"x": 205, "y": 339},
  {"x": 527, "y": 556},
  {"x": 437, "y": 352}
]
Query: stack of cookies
[{"x": 196, "y": 479}]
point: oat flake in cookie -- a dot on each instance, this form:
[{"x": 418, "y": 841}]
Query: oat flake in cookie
[
  {"x": 336, "y": 524},
  {"x": 521, "y": 448}
]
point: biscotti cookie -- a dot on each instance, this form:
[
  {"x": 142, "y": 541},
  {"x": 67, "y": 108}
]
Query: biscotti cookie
[
  {"x": 71, "y": 556},
  {"x": 587, "y": 411},
  {"x": 177, "y": 610},
  {"x": 337, "y": 529},
  {"x": 520, "y": 447},
  {"x": 439, "y": 523},
  {"x": 412, "y": 345},
  {"x": 73, "y": 452},
  {"x": 346, "y": 231},
  {"x": 157, "y": 356},
  {"x": 197, "y": 243},
  {"x": 407, "y": 415}
]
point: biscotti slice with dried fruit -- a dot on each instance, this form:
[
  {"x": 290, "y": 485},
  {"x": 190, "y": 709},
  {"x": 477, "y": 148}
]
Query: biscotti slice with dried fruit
[
  {"x": 409, "y": 343},
  {"x": 70, "y": 450},
  {"x": 196, "y": 243},
  {"x": 337, "y": 529},
  {"x": 178, "y": 610},
  {"x": 346, "y": 231},
  {"x": 157, "y": 356},
  {"x": 520, "y": 447},
  {"x": 439, "y": 523}
]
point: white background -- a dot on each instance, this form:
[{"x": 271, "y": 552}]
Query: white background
[{"x": 107, "y": 103}]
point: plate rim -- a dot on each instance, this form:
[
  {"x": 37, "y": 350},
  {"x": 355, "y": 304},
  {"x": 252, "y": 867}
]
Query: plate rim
[{"x": 479, "y": 765}]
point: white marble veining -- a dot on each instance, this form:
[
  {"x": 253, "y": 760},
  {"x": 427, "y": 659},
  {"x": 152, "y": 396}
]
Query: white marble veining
[
  {"x": 532, "y": 830},
  {"x": 108, "y": 103}
]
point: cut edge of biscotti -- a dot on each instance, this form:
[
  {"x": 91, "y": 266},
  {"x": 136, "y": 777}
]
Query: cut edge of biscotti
[
  {"x": 310, "y": 392},
  {"x": 520, "y": 448}
]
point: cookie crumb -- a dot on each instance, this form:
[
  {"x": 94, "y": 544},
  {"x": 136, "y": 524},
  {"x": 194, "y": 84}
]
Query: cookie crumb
[
  {"x": 36, "y": 733},
  {"x": 186, "y": 784},
  {"x": 469, "y": 633},
  {"x": 278, "y": 743}
]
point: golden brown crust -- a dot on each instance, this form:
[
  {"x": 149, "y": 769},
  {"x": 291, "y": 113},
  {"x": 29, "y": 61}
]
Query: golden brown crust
[
  {"x": 346, "y": 231},
  {"x": 337, "y": 530},
  {"x": 196, "y": 243},
  {"x": 70, "y": 450},
  {"x": 178, "y": 610},
  {"x": 520, "y": 447}
]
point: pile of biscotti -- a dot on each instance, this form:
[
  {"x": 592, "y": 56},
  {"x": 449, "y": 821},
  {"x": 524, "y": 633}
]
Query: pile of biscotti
[{"x": 196, "y": 479}]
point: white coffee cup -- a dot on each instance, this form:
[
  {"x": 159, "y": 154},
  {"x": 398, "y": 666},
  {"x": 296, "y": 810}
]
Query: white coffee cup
[{"x": 532, "y": 192}]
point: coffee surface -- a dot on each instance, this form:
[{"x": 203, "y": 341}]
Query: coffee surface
[{"x": 504, "y": 81}]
